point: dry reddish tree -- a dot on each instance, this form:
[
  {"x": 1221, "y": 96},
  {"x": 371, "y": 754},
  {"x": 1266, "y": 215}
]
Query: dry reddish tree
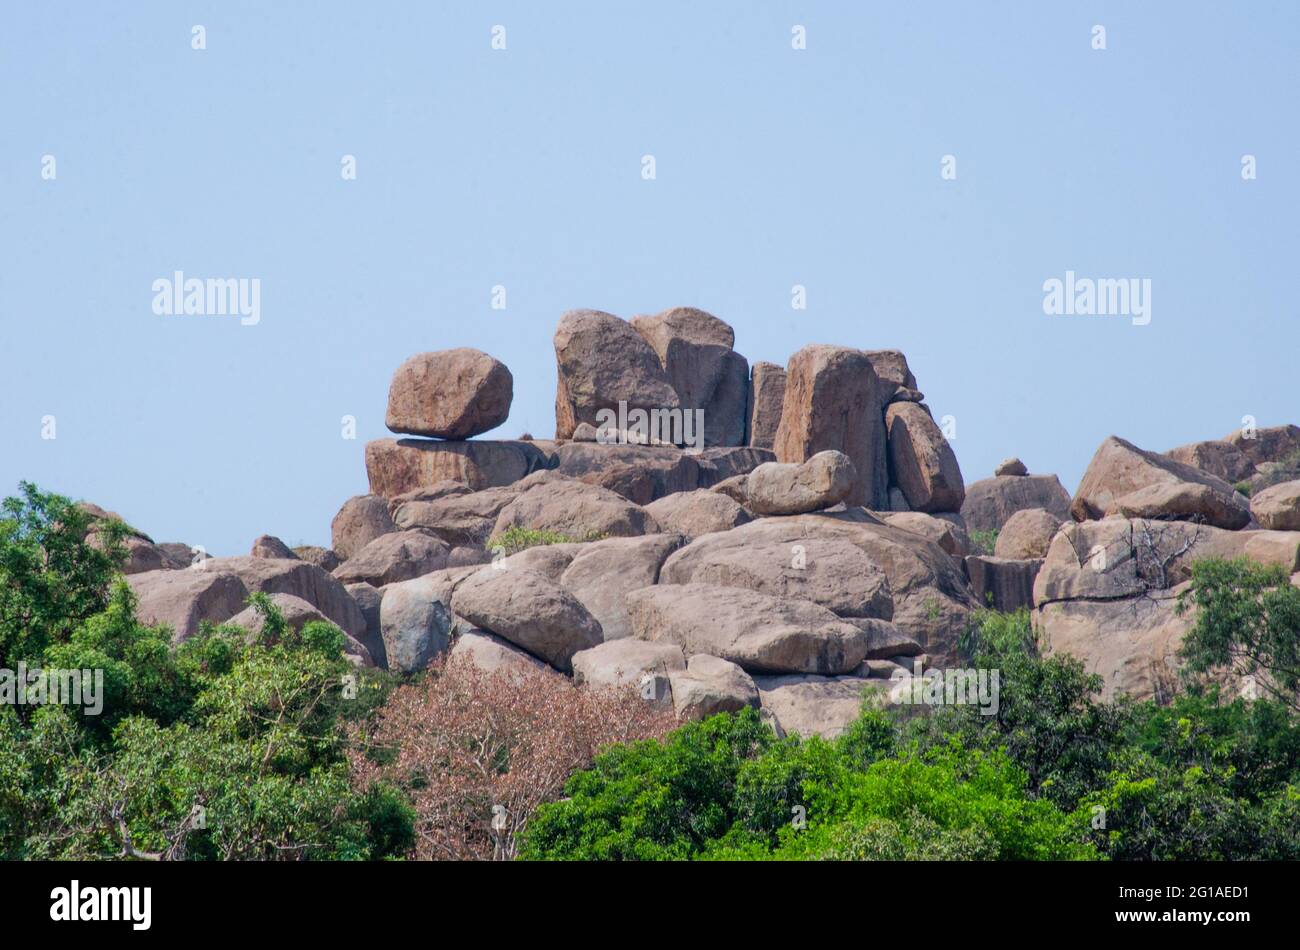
[{"x": 477, "y": 752}]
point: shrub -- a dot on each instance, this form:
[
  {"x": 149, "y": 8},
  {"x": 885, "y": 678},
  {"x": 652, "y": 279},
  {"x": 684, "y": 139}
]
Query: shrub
[
  {"x": 515, "y": 539},
  {"x": 985, "y": 541},
  {"x": 479, "y": 752}
]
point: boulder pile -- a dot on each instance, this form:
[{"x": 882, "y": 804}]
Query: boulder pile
[{"x": 790, "y": 538}]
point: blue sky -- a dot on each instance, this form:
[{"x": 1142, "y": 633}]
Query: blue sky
[{"x": 522, "y": 167}]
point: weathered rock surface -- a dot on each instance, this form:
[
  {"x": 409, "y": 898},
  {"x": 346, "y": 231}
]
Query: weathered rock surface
[
  {"x": 884, "y": 640},
  {"x": 1184, "y": 501},
  {"x": 493, "y": 655},
  {"x": 758, "y": 632},
  {"x": 921, "y": 462},
  {"x": 457, "y": 519},
  {"x": 814, "y": 705},
  {"x": 549, "y": 560},
  {"x": 698, "y": 512},
  {"x": 1221, "y": 459},
  {"x": 991, "y": 501},
  {"x": 1116, "y": 558},
  {"x": 394, "y": 557},
  {"x": 929, "y": 594},
  {"x": 1002, "y": 583},
  {"x": 450, "y": 394},
  {"x": 297, "y": 614},
  {"x": 182, "y": 599},
  {"x": 1278, "y": 507},
  {"x": 692, "y": 346},
  {"x": 1011, "y": 466},
  {"x": 279, "y": 576},
  {"x": 270, "y": 546},
  {"x": 1266, "y": 445},
  {"x": 640, "y": 473},
  {"x": 621, "y": 664},
  {"x": 711, "y": 685},
  {"x": 832, "y": 401},
  {"x": 530, "y": 611},
  {"x": 602, "y": 574},
  {"x": 893, "y": 372},
  {"x": 324, "y": 558},
  {"x": 361, "y": 519},
  {"x": 575, "y": 509},
  {"x": 948, "y": 532},
  {"x": 766, "y": 393},
  {"x": 415, "y": 623},
  {"x": 1027, "y": 534},
  {"x": 1131, "y": 643},
  {"x": 395, "y": 467},
  {"x": 1120, "y": 468},
  {"x": 792, "y": 488},
  {"x": 372, "y": 638},
  {"x": 600, "y": 361},
  {"x": 781, "y": 561}
]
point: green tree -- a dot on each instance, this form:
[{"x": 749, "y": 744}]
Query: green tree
[{"x": 50, "y": 578}]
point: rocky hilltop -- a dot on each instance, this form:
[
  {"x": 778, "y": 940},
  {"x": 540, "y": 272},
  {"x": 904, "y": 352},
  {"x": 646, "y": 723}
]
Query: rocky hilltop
[{"x": 722, "y": 535}]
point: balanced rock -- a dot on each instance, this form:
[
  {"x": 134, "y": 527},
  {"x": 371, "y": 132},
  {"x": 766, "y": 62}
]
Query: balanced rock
[
  {"x": 893, "y": 372},
  {"x": 450, "y": 394},
  {"x": 1011, "y": 466}
]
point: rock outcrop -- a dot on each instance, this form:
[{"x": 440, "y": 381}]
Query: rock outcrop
[{"x": 833, "y": 400}]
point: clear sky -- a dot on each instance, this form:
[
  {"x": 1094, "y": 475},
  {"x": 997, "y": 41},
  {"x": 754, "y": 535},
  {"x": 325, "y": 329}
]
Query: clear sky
[{"x": 522, "y": 167}]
